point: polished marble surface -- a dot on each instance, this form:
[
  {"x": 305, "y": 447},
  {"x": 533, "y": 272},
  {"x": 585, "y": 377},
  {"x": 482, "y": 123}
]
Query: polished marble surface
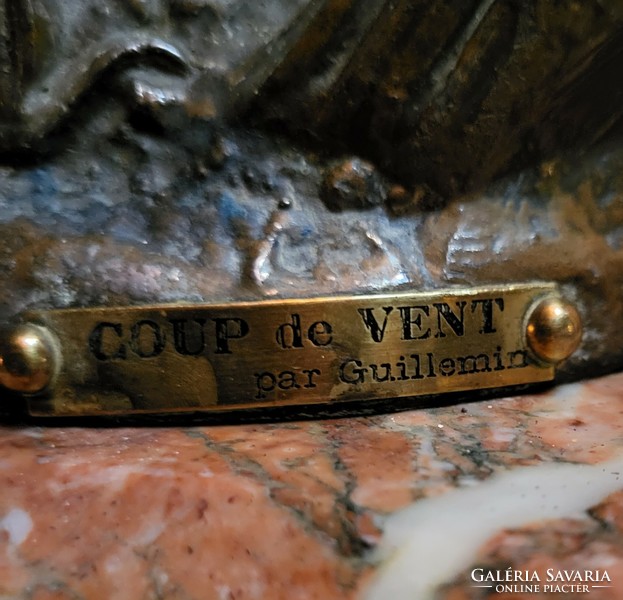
[{"x": 402, "y": 505}]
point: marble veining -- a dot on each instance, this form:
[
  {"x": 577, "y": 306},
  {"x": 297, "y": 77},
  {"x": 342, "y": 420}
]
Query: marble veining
[
  {"x": 434, "y": 539},
  {"x": 304, "y": 510}
]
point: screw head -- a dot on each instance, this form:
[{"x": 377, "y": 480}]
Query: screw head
[
  {"x": 29, "y": 359},
  {"x": 554, "y": 330}
]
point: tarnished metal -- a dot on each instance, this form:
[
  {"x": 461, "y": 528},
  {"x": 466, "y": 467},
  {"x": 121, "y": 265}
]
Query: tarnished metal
[
  {"x": 161, "y": 151},
  {"x": 177, "y": 358}
]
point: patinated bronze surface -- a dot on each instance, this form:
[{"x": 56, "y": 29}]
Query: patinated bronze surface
[{"x": 209, "y": 151}]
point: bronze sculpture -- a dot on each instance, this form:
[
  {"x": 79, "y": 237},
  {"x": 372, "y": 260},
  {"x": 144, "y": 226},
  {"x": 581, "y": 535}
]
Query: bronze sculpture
[
  {"x": 191, "y": 150},
  {"x": 448, "y": 95}
]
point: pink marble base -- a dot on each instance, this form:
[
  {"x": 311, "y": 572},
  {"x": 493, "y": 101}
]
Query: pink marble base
[{"x": 290, "y": 510}]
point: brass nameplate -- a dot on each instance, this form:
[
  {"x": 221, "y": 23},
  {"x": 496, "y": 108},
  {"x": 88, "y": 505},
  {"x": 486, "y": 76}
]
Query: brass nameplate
[{"x": 176, "y": 358}]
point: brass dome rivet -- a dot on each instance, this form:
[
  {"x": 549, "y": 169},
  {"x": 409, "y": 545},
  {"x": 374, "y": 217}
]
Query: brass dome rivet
[
  {"x": 554, "y": 330},
  {"x": 29, "y": 359}
]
